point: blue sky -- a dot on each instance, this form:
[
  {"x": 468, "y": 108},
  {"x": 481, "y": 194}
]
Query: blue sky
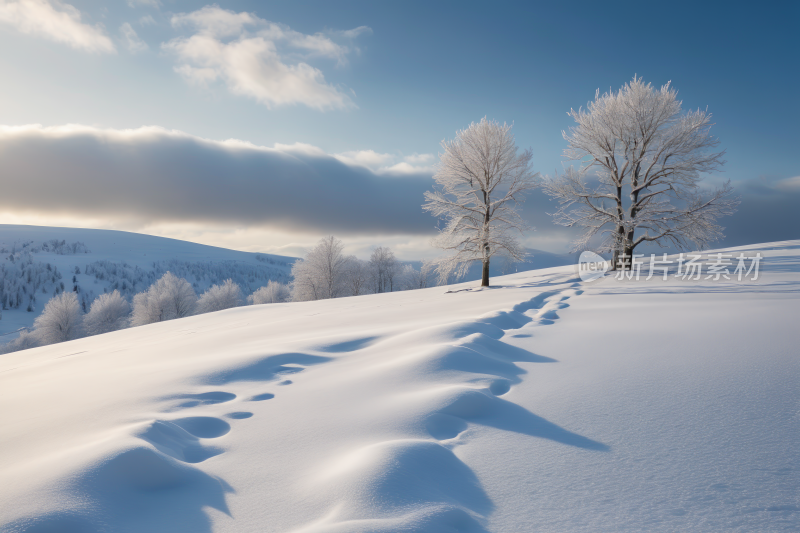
[{"x": 394, "y": 78}]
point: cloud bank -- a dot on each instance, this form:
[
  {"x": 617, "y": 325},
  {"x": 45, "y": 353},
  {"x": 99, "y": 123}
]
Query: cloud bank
[
  {"x": 56, "y": 21},
  {"x": 151, "y": 174},
  {"x": 151, "y": 177},
  {"x": 260, "y": 59}
]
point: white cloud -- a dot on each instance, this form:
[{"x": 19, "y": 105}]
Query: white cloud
[
  {"x": 418, "y": 159},
  {"x": 147, "y": 20},
  {"x": 388, "y": 163},
  {"x": 367, "y": 158},
  {"x": 260, "y": 59},
  {"x": 56, "y": 21},
  {"x": 131, "y": 39},
  {"x": 789, "y": 184}
]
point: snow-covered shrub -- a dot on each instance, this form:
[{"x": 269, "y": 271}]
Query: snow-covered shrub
[
  {"x": 274, "y": 292},
  {"x": 219, "y": 297},
  {"x": 26, "y": 339},
  {"x": 61, "y": 319},
  {"x": 109, "y": 312},
  {"x": 168, "y": 298}
]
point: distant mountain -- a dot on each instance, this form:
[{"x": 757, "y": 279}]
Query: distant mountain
[{"x": 37, "y": 262}]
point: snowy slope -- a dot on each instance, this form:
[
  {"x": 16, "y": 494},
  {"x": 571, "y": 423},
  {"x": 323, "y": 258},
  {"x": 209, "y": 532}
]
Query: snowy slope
[
  {"x": 129, "y": 262},
  {"x": 542, "y": 404}
]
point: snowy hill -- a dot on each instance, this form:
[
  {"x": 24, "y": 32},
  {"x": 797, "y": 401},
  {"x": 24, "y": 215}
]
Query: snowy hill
[
  {"x": 542, "y": 404},
  {"x": 36, "y": 261}
]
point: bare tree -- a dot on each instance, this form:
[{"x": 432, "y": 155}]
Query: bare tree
[
  {"x": 321, "y": 274},
  {"x": 168, "y": 298},
  {"x": 384, "y": 268},
  {"x": 480, "y": 183},
  {"x": 647, "y": 157},
  {"x": 61, "y": 319},
  {"x": 274, "y": 292},
  {"x": 219, "y": 297},
  {"x": 109, "y": 312}
]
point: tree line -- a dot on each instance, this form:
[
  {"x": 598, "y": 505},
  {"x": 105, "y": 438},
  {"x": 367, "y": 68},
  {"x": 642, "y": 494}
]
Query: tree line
[{"x": 325, "y": 272}]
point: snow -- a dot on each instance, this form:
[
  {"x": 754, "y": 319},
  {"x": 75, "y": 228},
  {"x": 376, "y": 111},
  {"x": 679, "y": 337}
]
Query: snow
[{"x": 541, "y": 404}]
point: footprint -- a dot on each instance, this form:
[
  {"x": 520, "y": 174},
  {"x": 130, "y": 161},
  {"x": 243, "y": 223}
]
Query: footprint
[
  {"x": 239, "y": 415},
  {"x": 349, "y": 346},
  {"x": 204, "y": 398},
  {"x": 173, "y": 440},
  {"x": 261, "y": 397},
  {"x": 444, "y": 427},
  {"x": 285, "y": 382},
  {"x": 204, "y": 427},
  {"x": 500, "y": 387}
]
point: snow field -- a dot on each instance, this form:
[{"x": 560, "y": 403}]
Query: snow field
[{"x": 518, "y": 408}]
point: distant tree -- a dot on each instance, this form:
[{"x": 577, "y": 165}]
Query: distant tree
[
  {"x": 108, "y": 312},
  {"x": 60, "y": 321},
  {"x": 274, "y": 292},
  {"x": 168, "y": 298},
  {"x": 640, "y": 181},
  {"x": 384, "y": 268},
  {"x": 321, "y": 274},
  {"x": 480, "y": 183},
  {"x": 411, "y": 278},
  {"x": 357, "y": 276},
  {"x": 219, "y": 297}
]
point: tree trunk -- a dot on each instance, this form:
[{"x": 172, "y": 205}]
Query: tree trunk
[{"x": 485, "y": 276}]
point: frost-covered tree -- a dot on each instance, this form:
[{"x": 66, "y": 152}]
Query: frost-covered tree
[
  {"x": 219, "y": 297},
  {"x": 384, "y": 267},
  {"x": 321, "y": 274},
  {"x": 60, "y": 321},
  {"x": 411, "y": 278},
  {"x": 108, "y": 312},
  {"x": 640, "y": 181},
  {"x": 272, "y": 293},
  {"x": 357, "y": 276},
  {"x": 25, "y": 341},
  {"x": 168, "y": 298},
  {"x": 480, "y": 183}
]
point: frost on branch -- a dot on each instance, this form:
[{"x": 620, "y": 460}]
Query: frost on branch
[
  {"x": 640, "y": 181},
  {"x": 274, "y": 292},
  {"x": 480, "y": 183},
  {"x": 109, "y": 312},
  {"x": 168, "y": 298},
  {"x": 61, "y": 319},
  {"x": 219, "y": 297}
]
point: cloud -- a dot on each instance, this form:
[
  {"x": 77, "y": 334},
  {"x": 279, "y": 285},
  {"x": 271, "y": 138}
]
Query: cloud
[
  {"x": 151, "y": 175},
  {"x": 260, "y": 59},
  {"x": 789, "y": 184},
  {"x": 56, "y": 21},
  {"x": 148, "y": 3},
  {"x": 768, "y": 212},
  {"x": 131, "y": 39},
  {"x": 147, "y": 20},
  {"x": 150, "y": 178},
  {"x": 388, "y": 163}
]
